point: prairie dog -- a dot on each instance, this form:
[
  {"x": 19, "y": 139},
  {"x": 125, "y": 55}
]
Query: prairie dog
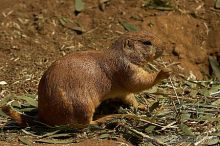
[{"x": 74, "y": 86}]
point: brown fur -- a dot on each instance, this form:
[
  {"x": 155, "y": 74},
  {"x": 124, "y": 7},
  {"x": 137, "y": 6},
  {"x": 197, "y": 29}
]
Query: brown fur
[
  {"x": 75, "y": 85},
  {"x": 21, "y": 119}
]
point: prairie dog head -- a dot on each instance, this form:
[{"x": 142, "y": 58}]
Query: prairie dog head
[{"x": 139, "y": 48}]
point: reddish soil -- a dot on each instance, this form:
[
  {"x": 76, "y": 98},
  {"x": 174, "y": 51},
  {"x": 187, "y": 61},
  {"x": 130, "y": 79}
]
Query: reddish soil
[
  {"x": 32, "y": 35},
  {"x": 89, "y": 142}
]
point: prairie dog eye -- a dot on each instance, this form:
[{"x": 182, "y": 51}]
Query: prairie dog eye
[{"x": 148, "y": 43}]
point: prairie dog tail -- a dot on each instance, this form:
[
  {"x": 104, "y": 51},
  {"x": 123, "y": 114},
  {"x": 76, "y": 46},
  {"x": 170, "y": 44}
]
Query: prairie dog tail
[{"x": 19, "y": 118}]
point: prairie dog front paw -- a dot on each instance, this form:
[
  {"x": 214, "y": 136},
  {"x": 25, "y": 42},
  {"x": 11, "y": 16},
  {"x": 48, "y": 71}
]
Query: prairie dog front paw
[{"x": 164, "y": 73}]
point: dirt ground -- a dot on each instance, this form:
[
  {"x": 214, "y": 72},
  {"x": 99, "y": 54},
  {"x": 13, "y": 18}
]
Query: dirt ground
[
  {"x": 33, "y": 34},
  {"x": 89, "y": 142}
]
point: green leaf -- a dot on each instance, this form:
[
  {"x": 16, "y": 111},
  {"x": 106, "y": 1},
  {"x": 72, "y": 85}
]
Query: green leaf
[
  {"x": 150, "y": 129},
  {"x": 152, "y": 90},
  {"x": 193, "y": 93},
  {"x": 77, "y": 27},
  {"x": 26, "y": 109},
  {"x": 217, "y": 4},
  {"x": 60, "y": 135},
  {"x": 216, "y": 103},
  {"x": 56, "y": 141},
  {"x": 128, "y": 26},
  {"x": 16, "y": 104},
  {"x": 79, "y": 5},
  {"x": 164, "y": 113},
  {"x": 215, "y": 66},
  {"x": 214, "y": 88},
  {"x": 218, "y": 126},
  {"x": 63, "y": 21},
  {"x": 204, "y": 92},
  {"x": 184, "y": 117},
  {"x": 213, "y": 141},
  {"x": 50, "y": 134},
  {"x": 25, "y": 141},
  {"x": 208, "y": 118},
  {"x": 192, "y": 85},
  {"x": 104, "y": 136},
  {"x": 186, "y": 130},
  {"x": 28, "y": 99}
]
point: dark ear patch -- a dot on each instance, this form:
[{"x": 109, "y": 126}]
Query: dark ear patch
[
  {"x": 130, "y": 44},
  {"x": 148, "y": 43}
]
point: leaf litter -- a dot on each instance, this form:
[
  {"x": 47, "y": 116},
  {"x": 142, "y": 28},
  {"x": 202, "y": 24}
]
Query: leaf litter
[
  {"x": 128, "y": 26},
  {"x": 217, "y": 4},
  {"x": 167, "y": 121},
  {"x": 79, "y": 5}
]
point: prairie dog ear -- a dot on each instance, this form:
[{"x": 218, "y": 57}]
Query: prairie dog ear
[
  {"x": 123, "y": 42},
  {"x": 120, "y": 43}
]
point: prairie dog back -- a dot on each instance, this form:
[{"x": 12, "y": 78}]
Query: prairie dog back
[{"x": 74, "y": 86}]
